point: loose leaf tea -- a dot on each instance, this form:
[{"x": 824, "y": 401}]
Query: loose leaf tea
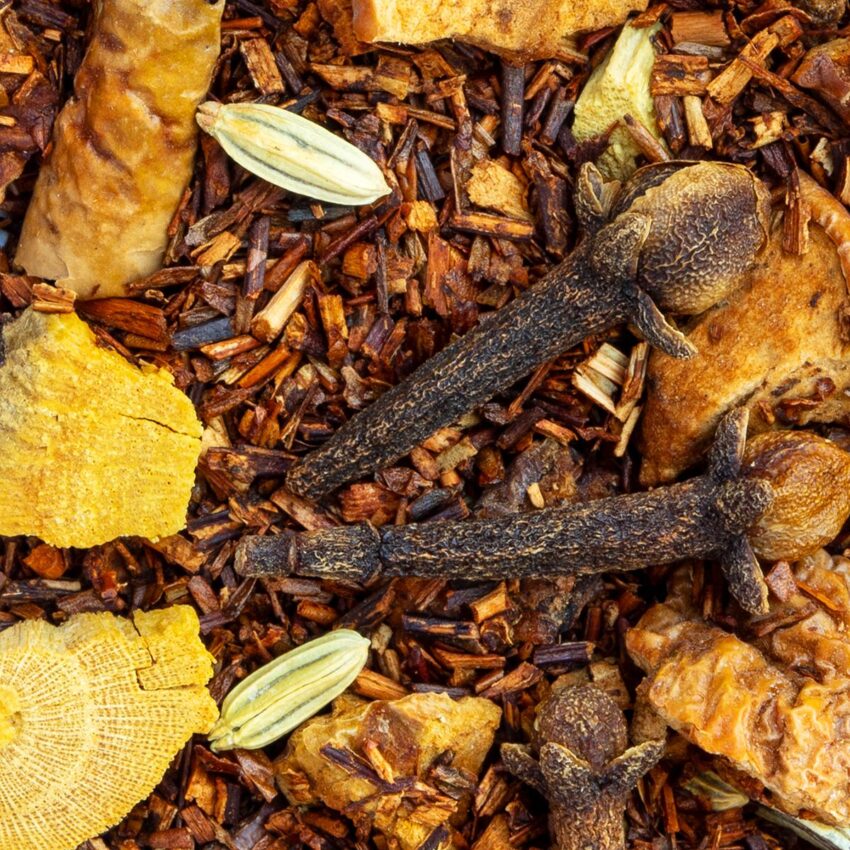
[{"x": 287, "y": 322}]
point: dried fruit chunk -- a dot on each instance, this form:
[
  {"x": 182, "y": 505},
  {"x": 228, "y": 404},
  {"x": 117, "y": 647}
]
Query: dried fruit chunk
[
  {"x": 289, "y": 690},
  {"x": 293, "y": 153},
  {"x": 401, "y": 739},
  {"x": 725, "y": 696},
  {"x": 619, "y": 87},
  {"x": 93, "y": 448},
  {"x": 825, "y": 70},
  {"x": 493, "y": 186},
  {"x": 124, "y": 146},
  {"x": 91, "y": 715},
  {"x": 775, "y": 341},
  {"x": 525, "y": 29}
]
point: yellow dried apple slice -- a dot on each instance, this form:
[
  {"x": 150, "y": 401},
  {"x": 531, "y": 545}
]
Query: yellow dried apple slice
[
  {"x": 93, "y": 448},
  {"x": 91, "y": 715}
]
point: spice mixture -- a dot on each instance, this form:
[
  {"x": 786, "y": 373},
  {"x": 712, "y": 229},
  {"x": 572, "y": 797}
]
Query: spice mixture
[{"x": 281, "y": 318}]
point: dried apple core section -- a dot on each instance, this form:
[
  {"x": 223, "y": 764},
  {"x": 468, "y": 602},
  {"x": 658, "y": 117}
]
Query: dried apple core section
[
  {"x": 93, "y": 447},
  {"x": 91, "y": 715}
]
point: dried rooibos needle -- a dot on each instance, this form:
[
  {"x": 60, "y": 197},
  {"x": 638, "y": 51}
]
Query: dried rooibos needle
[
  {"x": 93, "y": 448},
  {"x": 91, "y": 715}
]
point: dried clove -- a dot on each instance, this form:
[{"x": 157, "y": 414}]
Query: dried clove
[
  {"x": 678, "y": 236},
  {"x": 713, "y": 514},
  {"x": 581, "y": 764}
]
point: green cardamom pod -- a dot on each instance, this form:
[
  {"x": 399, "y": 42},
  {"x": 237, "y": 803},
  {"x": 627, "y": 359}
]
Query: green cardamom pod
[
  {"x": 292, "y": 152},
  {"x": 287, "y": 691}
]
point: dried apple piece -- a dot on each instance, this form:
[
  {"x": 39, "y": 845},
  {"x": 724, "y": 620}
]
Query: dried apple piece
[
  {"x": 91, "y": 715},
  {"x": 124, "y": 146},
  {"x": 528, "y": 29},
  {"x": 397, "y": 742},
  {"x": 617, "y": 88},
  {"x": 93, "y": 447},
  {"x": 775, "y": 345},
  {"x": 731, "y": 699}
]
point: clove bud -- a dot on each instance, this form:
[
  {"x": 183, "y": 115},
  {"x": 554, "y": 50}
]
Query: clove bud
[
  {"x": 741, "y": 508},
  {"x": 677, "y": 237},
  {"x": 581, "y": 764}
]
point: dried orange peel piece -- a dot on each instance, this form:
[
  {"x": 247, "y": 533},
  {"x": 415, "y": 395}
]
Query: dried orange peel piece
[
  {"x": 93, "y": 448},
  {"x": 91, "y": 715}
]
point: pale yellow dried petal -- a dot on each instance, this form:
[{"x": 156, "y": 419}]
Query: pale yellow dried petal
[
  {"x": 91, "y": 715},
  {"x": 93, "y": 448}
]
